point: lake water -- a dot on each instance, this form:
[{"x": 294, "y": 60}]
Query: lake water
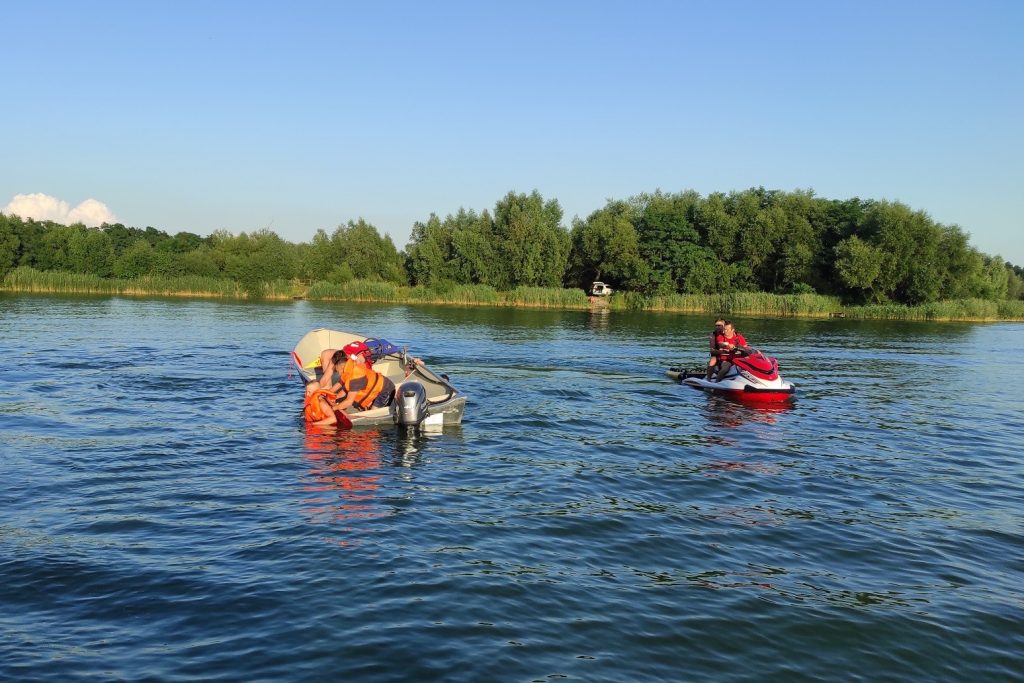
[{"x": 165, "y": 515}]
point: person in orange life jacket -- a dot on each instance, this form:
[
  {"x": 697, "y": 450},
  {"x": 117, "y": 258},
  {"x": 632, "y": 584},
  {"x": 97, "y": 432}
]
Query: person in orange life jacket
[
  {"x": 332, "y": 370},
  {"x": 731, "y": 344},
  {"x": 318, "y": 407},
  {"x": 716, "y": 335},
  {"x": 332, "y": 361},
  {"x": 362, "y": 386}
]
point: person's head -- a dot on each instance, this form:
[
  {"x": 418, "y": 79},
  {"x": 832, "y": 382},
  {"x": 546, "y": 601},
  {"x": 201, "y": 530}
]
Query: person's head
[
  {"x": 730, "y": 329},
  {"x": 311, "y": 387},
  {"x": 719, "y": 324},
  {"x": 357, "y": 351}
]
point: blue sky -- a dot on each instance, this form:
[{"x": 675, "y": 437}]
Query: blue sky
[{"x": 298, "y": 116}]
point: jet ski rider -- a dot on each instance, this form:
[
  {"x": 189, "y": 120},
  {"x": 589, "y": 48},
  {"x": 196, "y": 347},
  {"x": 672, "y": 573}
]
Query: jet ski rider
[
  {"x": 713, "y": 343},
  {"x": 730, "y": 344}
]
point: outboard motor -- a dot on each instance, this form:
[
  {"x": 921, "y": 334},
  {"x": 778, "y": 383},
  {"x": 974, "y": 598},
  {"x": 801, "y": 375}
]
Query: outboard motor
[{"x": 410, "y": 404}]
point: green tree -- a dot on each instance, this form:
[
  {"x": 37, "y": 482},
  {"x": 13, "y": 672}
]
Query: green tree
[
  {"x": 670, "y": 246},
  {"x": 473, "y": 250},
  {"x": 317, "y": 259},
  {"x": 181, "y": 243},
  {"x": 55, "y": 251},
  {"x": 859, "y": 265},
  {"x": 30, "y": 235},
  {"x": 200, "y": 262},
  {"x": 963, "y": 266},
  {"x": 604, "y": 247},
  {"x": 1015, "y": 282},
  {"x": 428, "y": 252},
  {"x": 718, "y": 229},
  {"x": 254, "y": 259},
  {"x": 996, "y": 280},
  {"x": 706, "y": 274},
  {"x": 459, "y": 249},
  {"x": 912, "y": 271},
  {"x": 10, "y": 244},
  {"x": 760, "y": 242},
  {"x": 531, "y": 244},
  {"x": 89, "y": 250},
  {"x": 368, "y": 255},
  {"x": 135, "y": 261},
  {"x": 799, "y": 250}
]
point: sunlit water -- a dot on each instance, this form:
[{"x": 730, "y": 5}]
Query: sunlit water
[{"x": 165, "y": 515}]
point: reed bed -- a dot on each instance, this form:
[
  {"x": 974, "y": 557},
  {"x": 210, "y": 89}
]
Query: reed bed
[
  {"x": 955, "y": 309},
  {"x": 1011, "y": 310},
  {"x": 359, "y": 290},
  {"x": 24, "y": 279},
  {"x": 448, "y": 293},
  {"x": 284, "y": 289},
  {"x": 731, "y": 303},
  {"x": 547, "y": 297}
]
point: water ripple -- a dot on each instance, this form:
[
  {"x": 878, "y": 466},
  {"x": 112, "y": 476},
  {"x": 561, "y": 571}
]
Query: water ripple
[{"x": 166, "y": 515}]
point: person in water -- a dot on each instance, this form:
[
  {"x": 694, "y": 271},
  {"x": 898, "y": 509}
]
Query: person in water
[
  {"x": 730, "y": 345},
  {"x": 362, "y": 387},
  {"x": 716, "y": 334},
  {"x": 318, "y": 407}
]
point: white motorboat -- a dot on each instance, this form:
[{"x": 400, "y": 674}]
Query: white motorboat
[{"x": 422, "y": 397}]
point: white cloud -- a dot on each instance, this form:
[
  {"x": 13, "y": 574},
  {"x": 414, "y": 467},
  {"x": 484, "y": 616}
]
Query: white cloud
[{"x": 43, "y": 207}]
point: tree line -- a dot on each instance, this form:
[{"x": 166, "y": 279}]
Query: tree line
[{"x": 864, "y": 251}]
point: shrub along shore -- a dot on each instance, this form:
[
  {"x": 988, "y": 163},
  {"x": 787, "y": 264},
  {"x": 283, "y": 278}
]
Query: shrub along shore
[{"x": 28, "y": 280}]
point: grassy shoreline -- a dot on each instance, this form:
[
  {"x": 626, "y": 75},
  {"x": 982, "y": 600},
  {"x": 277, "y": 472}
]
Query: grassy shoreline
[{"x": 27, "y": 280}]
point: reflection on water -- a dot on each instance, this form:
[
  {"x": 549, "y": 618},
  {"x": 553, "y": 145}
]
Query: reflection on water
[
  {"x": 344, "y": 475},
  {"x": 722, "y": 416},
  {"x": 599, "y": 318},
  {"x": 350, "y": 471},
  {"x": 725, "y": 413}
]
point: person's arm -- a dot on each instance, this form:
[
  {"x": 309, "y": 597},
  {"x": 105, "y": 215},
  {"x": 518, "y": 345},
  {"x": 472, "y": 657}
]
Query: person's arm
[
  {"x": 325, "y": 379},
  {"x": 347, "y": 402}
]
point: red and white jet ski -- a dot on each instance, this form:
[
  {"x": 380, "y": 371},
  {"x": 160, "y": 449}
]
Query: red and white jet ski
[{"x": 754, "y": 378}]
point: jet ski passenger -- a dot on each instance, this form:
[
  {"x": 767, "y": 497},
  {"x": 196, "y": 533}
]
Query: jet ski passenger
[
  {"x": 715, "y": 335},
  {"x": 361, "y": 385},
  {"x": 730, "y": 345}
]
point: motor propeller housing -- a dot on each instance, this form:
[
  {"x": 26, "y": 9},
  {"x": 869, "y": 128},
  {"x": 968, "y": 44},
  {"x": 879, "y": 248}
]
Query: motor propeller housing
[{"x": 410, "y": 404}]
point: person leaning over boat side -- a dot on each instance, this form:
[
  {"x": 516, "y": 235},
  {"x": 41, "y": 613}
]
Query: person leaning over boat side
[
  {"x": 732, "y": 344},
  {"x": 363, "y": 387},
  {"x": 331, "y": 371},
  {"x": 330, "y": 376},
  {"x": 716, "y": 335}
]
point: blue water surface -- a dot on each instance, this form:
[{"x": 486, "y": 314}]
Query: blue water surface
[{"x": 167, "y": 516}]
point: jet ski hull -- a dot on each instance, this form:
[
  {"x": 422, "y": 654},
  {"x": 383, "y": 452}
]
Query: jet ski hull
[
  {"x": 743, "y": 390},
  {"x": 754, "y": 378}
]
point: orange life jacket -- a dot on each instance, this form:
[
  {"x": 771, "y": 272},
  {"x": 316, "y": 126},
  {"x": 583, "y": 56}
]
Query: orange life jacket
[
  {"x": 362, "y": 383},
  {"x": 312, "y": 408}
]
